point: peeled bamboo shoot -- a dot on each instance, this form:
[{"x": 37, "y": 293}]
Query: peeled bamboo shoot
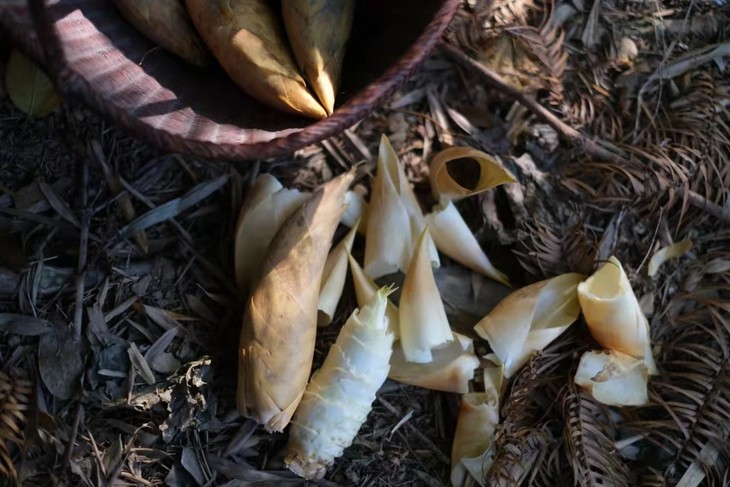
[{"x": 340, "y": 395}]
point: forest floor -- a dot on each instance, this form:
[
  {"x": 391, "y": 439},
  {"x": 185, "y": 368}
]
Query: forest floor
[{"x": 637, "y": 160}]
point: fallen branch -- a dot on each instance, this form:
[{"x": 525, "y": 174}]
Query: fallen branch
[
  {"x": 567, "y": 132},
  {"x": 593, "y": 148},
  {"x": 702, "y": 203},
  {"x": 83, "y": 249}
]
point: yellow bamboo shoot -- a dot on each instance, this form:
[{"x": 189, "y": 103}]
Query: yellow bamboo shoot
[
  {"x": 249, "y": 42},
  {"x": 280, "y": 324},
  {"x": 166, "y": 23},
  {"x": 318, "y": 32}
]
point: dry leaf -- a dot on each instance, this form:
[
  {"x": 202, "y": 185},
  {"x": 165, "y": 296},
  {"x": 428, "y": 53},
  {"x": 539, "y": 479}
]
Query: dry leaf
[
  {"x": 508, "y": 56},
  {"x": 269, "y": 204},
  {"x": 58, "y": 204},
  {"x": 613, "y": 313},
  {"x": 450, "y": 370},
  {"x": 340, "y": 395},
  {"x": 280, "y": 325},
  {"x": 166, "y": 23},
  {"x": 123, "y": 200},
  {"x": 135, "y": 356},
  {"x": 454, "y": 173},
  {"x": 174, "y": 207},
  {"x": 24, "y": 325},
  {"x": 453, "y": 237},
  {"x": 664, "y": 254},
  {"x": 60, "y": 363},
  {"x": 422, "y": 318},
  {"x": 613, "y": 378},
  {"x": 529, "y": 319},
  {"x": 247, "y": 39},
  {"x": 318, "y": 31},
  {"x": 333, "y": 279},
  {"x": 30, "y": 89}
]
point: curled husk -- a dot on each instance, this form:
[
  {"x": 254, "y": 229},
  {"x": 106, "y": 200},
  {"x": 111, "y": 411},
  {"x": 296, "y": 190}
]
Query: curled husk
[
  {"x": 396, "y": 219},
  {"x": 529, "y": 319},
  {"x": 471, "y": 457},
  {"x": 613, "y": 313},
  {"x": 665, "y": 253},
  {"x": 166, "y": 23},
  {"x": 365, "y": 289},
  {"x": 318, "y": 31},
  {"x": 422, "y": 317},
  {"x": 613, "y": 378},
  {"x": 247, "y": 39},
  {"x": 280, "y": 323},
  {"x": 340, "y": 395},
  {"x": 453, "y": 237},
  {"x": 267, "y": 206},
  {"x": 491, "y": 173},
  {"x": 450, "y": 370},
  {"x": 333, "y": 279}
]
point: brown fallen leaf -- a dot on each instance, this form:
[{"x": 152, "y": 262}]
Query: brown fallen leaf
[
  {"x": 30, "y": 89},
  {"x": 60, "y": 363},
  {"x": 248, "y": 41},
  {"x": 280, "y": 324}
]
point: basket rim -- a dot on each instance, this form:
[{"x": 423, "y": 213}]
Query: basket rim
[{"x": 362, "y": 104}]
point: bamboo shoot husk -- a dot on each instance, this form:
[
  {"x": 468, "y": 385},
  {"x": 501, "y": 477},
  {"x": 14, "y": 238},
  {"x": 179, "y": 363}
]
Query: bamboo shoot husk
[
  {"x": 422, "y": 317},
  {"x": 356, "y": 212},
  {"x": 391, "y": 236},
  {"x": 166, "y": 23},
  {"x": 280, "y": 324},
  {"x": 530, "y": 318},
  {"x": 333, "y": 279},
  {"x": 491, "y": 173},
  {"x": 613, "y": 313},
  {"x": 318, "y": 31},
  {"x": 453, "y": 237},
  {"x": 249, "y": 42},
  {"x": 475, "y": 428},
  {"x": 450, "y": 370},
  {"x": 613, "y": 378},
  {"x": 268, "y": 205}
]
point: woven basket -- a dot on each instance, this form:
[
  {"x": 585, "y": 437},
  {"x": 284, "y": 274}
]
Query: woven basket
[{"x": 95, "y": 55}]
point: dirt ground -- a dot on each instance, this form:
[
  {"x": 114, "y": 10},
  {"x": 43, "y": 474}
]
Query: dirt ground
[{"x": 637, "y": 161}]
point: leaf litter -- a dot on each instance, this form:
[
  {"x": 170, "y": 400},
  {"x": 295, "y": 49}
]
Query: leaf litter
[{"x": 661, "y": 110}]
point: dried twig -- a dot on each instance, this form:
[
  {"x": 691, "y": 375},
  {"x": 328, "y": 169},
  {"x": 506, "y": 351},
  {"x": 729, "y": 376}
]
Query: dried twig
[
  {"x": 125, "y": 203},
  {"x": 699, "y": 201},
  {"x": 78, "y": 416},
  {"x": 591, "y": 147},
  {"x": 83, "y": 249}
]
